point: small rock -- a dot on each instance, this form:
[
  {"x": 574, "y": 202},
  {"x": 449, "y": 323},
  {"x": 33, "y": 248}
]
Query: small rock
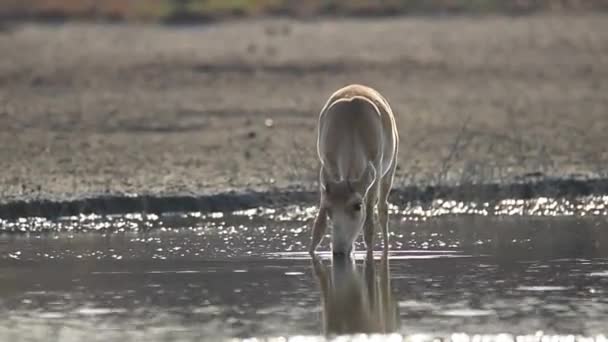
[
  {"x": 270, "y": 30},
  {"x": 271, "y": 51}
]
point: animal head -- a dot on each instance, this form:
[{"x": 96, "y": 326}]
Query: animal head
[{"x": 344, "y": 202}]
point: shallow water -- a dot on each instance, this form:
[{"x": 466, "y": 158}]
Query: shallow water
[{"x": 246, "y": 274}]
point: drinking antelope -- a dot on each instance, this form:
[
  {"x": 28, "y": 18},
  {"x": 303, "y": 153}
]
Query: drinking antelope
[{"x": 357, "y": 146}]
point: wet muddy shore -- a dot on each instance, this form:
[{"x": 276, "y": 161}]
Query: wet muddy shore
[
  {"x": 246, "y": 199},
  {"x": 97, "y": 117}
]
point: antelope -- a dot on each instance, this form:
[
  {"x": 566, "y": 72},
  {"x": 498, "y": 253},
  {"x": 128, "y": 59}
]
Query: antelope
[
  {"x": 357, "y": 144},
  {"x": 353, "y": 302}
]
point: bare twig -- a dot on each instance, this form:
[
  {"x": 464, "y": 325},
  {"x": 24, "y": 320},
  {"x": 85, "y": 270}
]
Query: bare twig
[{"x": 458, "y": 145}]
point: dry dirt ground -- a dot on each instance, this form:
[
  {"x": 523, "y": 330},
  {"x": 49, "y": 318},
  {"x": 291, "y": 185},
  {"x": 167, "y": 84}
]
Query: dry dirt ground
[{"x": 90, "y": 109}]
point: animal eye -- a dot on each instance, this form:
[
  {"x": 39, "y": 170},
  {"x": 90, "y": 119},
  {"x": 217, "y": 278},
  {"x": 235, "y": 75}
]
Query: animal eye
[{"x": 357, "y": 207}]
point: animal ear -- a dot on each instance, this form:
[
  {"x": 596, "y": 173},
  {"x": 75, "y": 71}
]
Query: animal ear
[{"x": 324, "y": 179}]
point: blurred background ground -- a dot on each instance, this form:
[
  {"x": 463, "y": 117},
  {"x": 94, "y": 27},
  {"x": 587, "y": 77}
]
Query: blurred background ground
[
  {"x": 208, "y": 10},
  {"x": 481, "y": 95}
]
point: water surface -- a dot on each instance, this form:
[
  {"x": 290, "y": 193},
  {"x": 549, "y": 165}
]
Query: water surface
[{"x": 191, "y": 276}]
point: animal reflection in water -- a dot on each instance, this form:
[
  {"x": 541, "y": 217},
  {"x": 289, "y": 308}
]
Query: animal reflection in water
[{"x": 355, "y": 302}]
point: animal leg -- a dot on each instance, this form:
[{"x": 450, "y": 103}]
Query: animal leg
[
  {"x": 371, "y": 218},
  {"x": 318, "y": 229},
  {"x": 385, "y": 189}
]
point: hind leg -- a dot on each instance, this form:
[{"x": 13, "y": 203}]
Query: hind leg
[{"x": 385, "y": 190}]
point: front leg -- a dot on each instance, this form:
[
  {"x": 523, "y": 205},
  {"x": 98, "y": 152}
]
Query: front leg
[
  {"x": 370, "y": 220},
  {"x": 369, "y": 225},
  {"x": 385, "y": 189},
  {"x": 318, "y": 229}
]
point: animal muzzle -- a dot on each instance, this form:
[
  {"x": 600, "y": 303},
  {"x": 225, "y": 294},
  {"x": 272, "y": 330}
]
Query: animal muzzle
[{"x": 342, "y": 241}]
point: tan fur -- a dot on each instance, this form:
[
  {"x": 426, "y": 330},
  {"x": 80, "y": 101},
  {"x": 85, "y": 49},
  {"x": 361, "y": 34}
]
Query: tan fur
[
  {"x": 357, "y": 146},
  {"x": 354, "y": 302}
]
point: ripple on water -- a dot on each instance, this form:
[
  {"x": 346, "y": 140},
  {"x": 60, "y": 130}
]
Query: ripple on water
[
  {"x": 99, "y": 311},
  {"x": 543, "y": 288},
  {"x": 51, "y": 315},
  {"x": 599, "y": 274},
  {"x": 467, "y": 313}
]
